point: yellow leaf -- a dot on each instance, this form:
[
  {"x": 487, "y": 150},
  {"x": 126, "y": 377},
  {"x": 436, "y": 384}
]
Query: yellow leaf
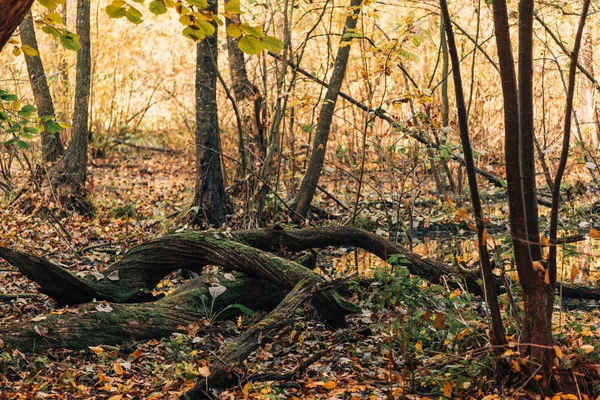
[
  {"x": 574, "y": 272},
  {"x": 330, "y": 385},
  {"x": 118, "y": 369},
  {"x": 204, "y": 371},
  {"x": 455, "y": 293},
  {"x": 594, "y": 234},
  {"x": 447, "y": 389},
  {"x": 16, "y": 51},
  {"x": 558, "y": 352},
  {"x": 247, "y": 387},
  {"x": 547, "y": 277},
  {"x": 116, "y": 397},
  {"x": 462, "y": 333},
  {"x": 419, "y": 346},
  {"x": 30, "y": 51},
  {"x": 98, "y": 350}
]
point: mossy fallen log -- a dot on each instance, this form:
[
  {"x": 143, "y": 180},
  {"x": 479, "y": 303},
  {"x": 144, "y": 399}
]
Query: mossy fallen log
[
  {"x": 111, "y": 323},
  {"x": 139, "y": 271}
]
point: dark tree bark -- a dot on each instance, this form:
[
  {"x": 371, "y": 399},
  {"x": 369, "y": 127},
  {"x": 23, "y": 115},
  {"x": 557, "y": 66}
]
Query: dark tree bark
[
  {"x": 68, "y": 176},
  {"x": 12, "y": 13},
  {"x": 311, "y": 178},
  {"x": 247, "y": 95},
  {"x": 526, "y": 127},
  {"x": 210, "y": 198},
  {"x": 489, "y": 287},
  {"x": 52, "y": 146}
]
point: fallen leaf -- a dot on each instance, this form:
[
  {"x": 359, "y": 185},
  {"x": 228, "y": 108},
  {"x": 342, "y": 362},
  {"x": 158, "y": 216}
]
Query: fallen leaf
[
  {"x": 547, "y": 277},
  {"x": 558, "y": 352},
  {"x": 594, "y": 234},
  {"x": 574, "y": 272},
  {"x": 103, "y": 307},
  {"x": 330, "y": 385},
  {"x": 113, "y": 276},
  {"x": 137, "y": 354},
  {"x": 587, "y": 348},
  {"x": 98, "y": 350},
  {"x": 118, "y": 369},
  {"x": 447, "y": 389},
  {"x": 204, "y": 371}
]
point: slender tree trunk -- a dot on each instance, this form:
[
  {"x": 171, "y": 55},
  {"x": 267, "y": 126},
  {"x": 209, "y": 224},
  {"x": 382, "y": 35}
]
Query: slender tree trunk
[
  {"x": 68, "y": 176},
  {"x": 491, "y": 297},
  {"x": 248, "y": 97},
  {"x": 588, "y": 114},
  {"x": 12, "y": 13},
  {"x": 52, "y": 146},
  {"x": 210, "y": 198},
  {"x": 526, "y": 127},
  {"x": 311, "y": 178}
]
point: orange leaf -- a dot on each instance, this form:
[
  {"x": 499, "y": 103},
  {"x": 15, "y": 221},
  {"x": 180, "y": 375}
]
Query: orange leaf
[
  {"x": 461, "y": 213},
  {"x": 484, "y": 236},
  {"x": 98, "y": 350},
  {"x": 118, "y": 369},
  {"x": 574, "y": 272},
  {"x": 330, "y": 385},
  {"x": 447, "y": 389},
  {"x": 594, "y": 234},
  {"x": 558, "y": 352},
  {"x": 472, "y": 227},
  {"x": 538, "y": 266},
  {"x": 545, "y": 241},
  {"x": 204, "y": 371},
  {"x": 547, "y": 277},
  {"x": 116, "y": 397},
  {"x": 137, "y": 354},
  {"x": 448, "y": 200}
]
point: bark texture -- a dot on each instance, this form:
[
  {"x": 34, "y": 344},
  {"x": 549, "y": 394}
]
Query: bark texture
[
  {"x": 68, "y": 176},
  {"x": 52, "y": 146},
  {"x": 210, "y": 200},
  {"x": 12, "y": 13}
]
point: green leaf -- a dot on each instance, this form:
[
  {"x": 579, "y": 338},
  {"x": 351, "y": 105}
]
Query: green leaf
[
  {"x": 30, "y": 129},
  {"x": 255, "y": 31},
  {"x": 272, "y": 44},
  {"x": 23, "y": 145},
  {"x": 248, "y": 312},
  {"x": 70, "y": 41},
  {"x": 186, "y": 20},
  {"x": 8, "y": 97},
  {"x": 115, "y": 12},
  {"x": 206, "y": 27},
  {"x": 29, "y": 108},
  {"x": 157, "y": 7},
  {"x": 198, "y": 3},
  {"x": 233, "y": 7},
  {"x": 134, "y": 15},
  {"x": 51, "y": 30},
  {"x": 26, "y": 135},
  {"x": 49, "y": 4},
  {"x": 3, "y": 116},
  {"x": 250, "y": 45},
  {"x": 10, "y": 141},
  {"x": 233, "y": 31},
  {"x": 53, "y": 127},
  {"x": 191, "y": 32}
]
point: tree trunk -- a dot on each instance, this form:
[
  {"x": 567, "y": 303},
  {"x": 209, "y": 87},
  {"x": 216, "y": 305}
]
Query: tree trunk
[
  {"x": 526, "y": 127},
  {"x": 12, "y": 13},
  {"x": 68, "y": 176},
  {"x": 248, "y": 98},
  {"x": 311, "y": 178},
  {"x": 210, "y": 198},
  {"x": 52, "y": 146}
]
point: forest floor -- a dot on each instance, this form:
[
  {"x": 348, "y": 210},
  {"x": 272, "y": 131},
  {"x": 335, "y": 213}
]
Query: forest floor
[{"x": 413, "y": 340}]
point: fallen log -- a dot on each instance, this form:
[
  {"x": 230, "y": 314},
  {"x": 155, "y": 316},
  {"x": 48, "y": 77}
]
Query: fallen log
[
  {"x": 279, "y": 239},
  {"x": 111, "y": 323},
  {"x": 140, "y": 270}
]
